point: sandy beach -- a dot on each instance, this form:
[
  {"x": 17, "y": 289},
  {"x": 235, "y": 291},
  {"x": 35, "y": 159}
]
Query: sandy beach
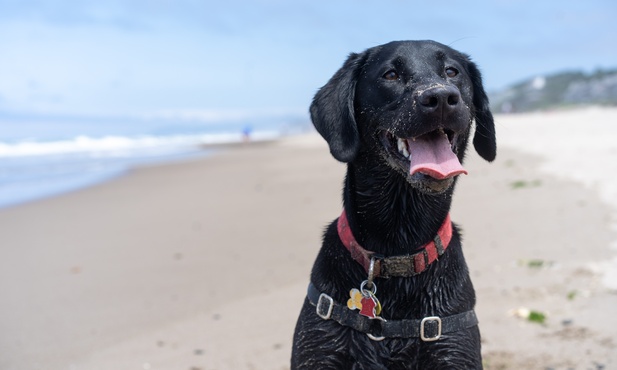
[{"x": 204, "y": 264}]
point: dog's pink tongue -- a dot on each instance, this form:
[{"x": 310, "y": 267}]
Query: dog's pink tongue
[{"x": 434, "y": 157}]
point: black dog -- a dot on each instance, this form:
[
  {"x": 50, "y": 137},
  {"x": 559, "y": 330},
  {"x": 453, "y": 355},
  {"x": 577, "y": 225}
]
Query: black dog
[{"x": 400, "y": 116}]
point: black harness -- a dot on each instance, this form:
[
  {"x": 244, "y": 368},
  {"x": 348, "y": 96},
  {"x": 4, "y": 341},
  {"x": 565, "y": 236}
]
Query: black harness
[{"x": 428, "y": 329}]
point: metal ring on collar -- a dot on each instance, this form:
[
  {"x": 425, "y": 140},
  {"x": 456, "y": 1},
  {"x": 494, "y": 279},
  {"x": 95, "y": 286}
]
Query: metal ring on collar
[{"x": 373, "y": 289}]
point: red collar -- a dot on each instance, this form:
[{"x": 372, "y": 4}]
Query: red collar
[{"x": 397, "y": 266}]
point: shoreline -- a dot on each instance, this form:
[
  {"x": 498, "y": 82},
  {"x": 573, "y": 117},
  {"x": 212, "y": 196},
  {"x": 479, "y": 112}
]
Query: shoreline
[
  {"x": 68, "y": 183},
  {"x": 183, "y": 265}
]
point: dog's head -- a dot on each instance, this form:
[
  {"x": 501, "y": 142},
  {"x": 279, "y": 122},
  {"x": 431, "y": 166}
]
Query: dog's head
[{"x": 413, "y": 104}]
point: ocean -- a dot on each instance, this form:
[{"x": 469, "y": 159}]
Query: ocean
[{"x": 42, "y": 157}]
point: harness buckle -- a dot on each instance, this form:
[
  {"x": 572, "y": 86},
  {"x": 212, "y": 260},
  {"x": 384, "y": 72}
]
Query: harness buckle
[
  {"x": 423, "y": 335},
  {"x": 374, "y": 338},
  {"x": 324, "y": 306}
]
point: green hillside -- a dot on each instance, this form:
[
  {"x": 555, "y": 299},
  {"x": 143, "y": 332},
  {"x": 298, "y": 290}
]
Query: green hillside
[{"x": 559, "y": 90}]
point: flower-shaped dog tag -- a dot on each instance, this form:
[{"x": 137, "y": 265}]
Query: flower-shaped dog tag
[{"x": 355, "y": 300}]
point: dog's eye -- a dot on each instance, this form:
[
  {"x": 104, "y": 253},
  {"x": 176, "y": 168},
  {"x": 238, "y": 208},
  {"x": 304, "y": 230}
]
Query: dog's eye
[
  {"x": 451, "y": 72},
  {"x": 391, "y": 75}
]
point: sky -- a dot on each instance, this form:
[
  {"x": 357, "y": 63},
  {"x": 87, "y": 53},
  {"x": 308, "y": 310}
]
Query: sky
[{"x": 210, "y": 59}]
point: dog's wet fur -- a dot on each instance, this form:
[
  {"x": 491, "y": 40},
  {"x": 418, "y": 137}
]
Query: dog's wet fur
[{"x": 378, "y": 95}]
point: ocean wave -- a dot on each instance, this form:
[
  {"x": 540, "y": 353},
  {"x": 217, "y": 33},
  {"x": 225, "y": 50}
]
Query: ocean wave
[
  {"x": 35, "y": 169},
  {"x": 113, "y": 145}
]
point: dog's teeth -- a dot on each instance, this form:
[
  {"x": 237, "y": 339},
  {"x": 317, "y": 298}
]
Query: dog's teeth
[{"x": 402, "y": 147}]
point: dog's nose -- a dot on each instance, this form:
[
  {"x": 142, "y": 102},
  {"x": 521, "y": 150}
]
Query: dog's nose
[{"x": 439, "y": 99}]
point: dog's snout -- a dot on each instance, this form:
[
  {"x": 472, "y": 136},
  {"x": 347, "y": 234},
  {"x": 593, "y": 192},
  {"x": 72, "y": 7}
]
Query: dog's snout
[{"x": 439, "y": 99}]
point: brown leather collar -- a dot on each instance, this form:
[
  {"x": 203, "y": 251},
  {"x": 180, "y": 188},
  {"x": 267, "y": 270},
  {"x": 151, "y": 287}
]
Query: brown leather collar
[{"x": 397, "y": 266}]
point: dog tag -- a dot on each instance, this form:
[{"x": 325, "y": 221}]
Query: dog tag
[
  {"x": 355, "y": 300},
  {"x": 369, "y": 305},
  {"x": 377, "y": 303},
  {"x": 365, "y": 301}
]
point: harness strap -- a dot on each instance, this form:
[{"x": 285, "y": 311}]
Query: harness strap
[{"x": 428, "y": 329}]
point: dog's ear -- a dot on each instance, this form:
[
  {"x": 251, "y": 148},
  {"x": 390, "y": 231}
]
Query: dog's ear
[
  {"x": 332, "y": 111},
  {"x": 484, "y": 138}
]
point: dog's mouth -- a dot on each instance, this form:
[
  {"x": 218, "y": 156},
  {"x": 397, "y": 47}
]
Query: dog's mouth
[{"x": 432, "y": 154}]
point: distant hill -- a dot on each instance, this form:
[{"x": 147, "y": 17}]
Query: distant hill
[{"x": 559, "y": 90}]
